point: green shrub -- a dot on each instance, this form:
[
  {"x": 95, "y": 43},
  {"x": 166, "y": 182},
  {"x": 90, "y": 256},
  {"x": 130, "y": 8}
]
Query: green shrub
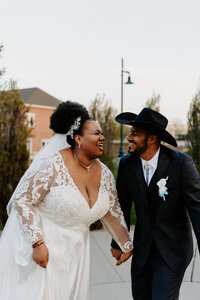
[
  {"x": 14, "y": 155},
  {"x": 1, "y": 225},
  {"x": 133, "y": 215}
]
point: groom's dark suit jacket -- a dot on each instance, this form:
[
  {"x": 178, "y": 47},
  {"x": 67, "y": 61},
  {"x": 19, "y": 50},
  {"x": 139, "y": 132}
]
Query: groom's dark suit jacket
[{"x": 164, "y": 221}]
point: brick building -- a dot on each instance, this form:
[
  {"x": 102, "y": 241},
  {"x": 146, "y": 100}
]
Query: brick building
[{"x": 41, "y": 106}]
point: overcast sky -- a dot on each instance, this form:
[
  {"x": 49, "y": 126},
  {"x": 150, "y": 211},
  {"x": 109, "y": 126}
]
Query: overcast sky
[{"x": 72, "y": 49}]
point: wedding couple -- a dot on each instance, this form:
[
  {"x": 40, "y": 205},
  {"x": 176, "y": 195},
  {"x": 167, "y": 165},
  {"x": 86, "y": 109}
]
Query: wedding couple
[{"x": 44, "y": 248}]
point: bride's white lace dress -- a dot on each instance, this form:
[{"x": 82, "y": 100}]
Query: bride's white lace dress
[{"x": 49, "y": 206}]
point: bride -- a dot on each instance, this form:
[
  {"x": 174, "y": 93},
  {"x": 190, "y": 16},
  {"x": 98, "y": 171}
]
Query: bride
[{"x": 44, "y": 247}]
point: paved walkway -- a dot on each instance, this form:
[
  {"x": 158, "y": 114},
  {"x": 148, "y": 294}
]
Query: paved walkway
[{"x": 111, "y": 282}]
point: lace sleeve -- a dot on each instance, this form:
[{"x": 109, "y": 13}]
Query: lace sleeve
[
  {"x": 29, "y": 193},
  {"x": 114, "y": 221}
]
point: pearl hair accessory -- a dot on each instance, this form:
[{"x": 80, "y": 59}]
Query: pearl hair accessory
[{"x": 74, "y": 126}]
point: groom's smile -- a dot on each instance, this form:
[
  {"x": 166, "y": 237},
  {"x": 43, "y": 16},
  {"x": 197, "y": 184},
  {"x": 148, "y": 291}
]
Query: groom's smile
[{"x": 137, "y": 139}]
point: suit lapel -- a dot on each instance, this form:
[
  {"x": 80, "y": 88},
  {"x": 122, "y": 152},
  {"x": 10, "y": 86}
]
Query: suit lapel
[
  {"x": 138, "y": 172},
  {"x": 160, "y": 172}
]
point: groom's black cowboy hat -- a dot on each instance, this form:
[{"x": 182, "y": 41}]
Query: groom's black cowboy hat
[{"x": 149, "y": 120}]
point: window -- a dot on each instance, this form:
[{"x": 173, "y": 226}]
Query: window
[
  {"x": 29, "y": 145},
  {"x": 181, "y": 137},
  {"x": 31, "y": 119},
  {"x": 44, "y": 142}
]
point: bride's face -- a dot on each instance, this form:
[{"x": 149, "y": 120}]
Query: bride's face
[{"x": 92, "y": 139}]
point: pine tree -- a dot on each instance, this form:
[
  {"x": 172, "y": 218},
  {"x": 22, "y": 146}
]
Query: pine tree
[
  {"x": 14, "y": 155},
  {"x": 194, "y": 129}
]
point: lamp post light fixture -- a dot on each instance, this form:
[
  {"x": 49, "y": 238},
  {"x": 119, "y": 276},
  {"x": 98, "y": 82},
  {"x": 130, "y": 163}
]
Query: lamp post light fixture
[{"x": 121, "y": 149}]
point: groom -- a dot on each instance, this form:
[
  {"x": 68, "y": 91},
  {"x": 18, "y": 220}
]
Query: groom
[{"x": 165, "y": 188}]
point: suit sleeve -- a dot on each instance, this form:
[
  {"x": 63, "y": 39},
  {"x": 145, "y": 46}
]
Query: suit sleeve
[
  {"x": 124, "y": 196},
  {"x": 191, "y": 192}
]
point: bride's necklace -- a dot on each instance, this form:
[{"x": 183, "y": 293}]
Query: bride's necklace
[{"x": 84, "y": 166}]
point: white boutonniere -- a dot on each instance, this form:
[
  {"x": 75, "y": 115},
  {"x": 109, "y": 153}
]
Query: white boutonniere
[{"x": 162, "y": 187}]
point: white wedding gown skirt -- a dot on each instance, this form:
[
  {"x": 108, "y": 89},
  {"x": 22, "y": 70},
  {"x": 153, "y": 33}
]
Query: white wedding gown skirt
[
  {"x": 49, "y": 206},
  {"x": 68, "y": 271},
  {"x": 67, "y": 274}
]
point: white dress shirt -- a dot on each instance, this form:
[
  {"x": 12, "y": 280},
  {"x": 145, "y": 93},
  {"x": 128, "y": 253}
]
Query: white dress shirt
[{"x": 153, "y": 162}]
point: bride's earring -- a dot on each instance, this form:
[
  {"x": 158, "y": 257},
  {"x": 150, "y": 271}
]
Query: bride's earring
[{"x": 79, "y": 145}]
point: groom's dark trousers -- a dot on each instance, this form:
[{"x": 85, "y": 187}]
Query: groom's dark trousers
[
  {"x": 147, "y": 281},
  {"x": 163, "y": 245}
]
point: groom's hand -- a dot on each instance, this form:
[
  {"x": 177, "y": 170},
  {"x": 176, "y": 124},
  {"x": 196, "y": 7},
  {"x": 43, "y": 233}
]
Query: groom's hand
[
  {"x": 124, "y": 256},
  {"x": 116, "y": 253}
]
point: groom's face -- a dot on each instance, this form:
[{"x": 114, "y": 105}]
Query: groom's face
[{"x": 138, "y": 140}]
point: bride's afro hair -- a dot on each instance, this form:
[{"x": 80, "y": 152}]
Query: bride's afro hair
[
  {"x": 65, "y": 114},
  {"x": 64, "y": 117}
]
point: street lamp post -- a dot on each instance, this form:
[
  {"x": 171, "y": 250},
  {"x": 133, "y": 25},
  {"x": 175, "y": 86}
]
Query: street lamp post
[{"x": 121, "y": 149}]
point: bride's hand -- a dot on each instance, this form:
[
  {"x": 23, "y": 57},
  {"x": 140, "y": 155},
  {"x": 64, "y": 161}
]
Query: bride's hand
[
  {"x": 116, "y": 253},
  {"x": 124, "y": 256},
  {"x": 41, "y": 255}
]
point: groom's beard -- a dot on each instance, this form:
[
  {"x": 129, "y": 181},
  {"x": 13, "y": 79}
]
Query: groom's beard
[{"x": 139, "y": 149}]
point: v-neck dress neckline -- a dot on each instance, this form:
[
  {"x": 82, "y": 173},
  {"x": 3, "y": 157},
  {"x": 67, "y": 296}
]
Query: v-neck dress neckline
[{"x": 76, "y": 187}]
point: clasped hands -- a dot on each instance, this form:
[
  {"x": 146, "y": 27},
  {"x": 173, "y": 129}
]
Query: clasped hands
[
  {"x": 120, "y": 256},
  {"x": 41, "y": 255}
]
